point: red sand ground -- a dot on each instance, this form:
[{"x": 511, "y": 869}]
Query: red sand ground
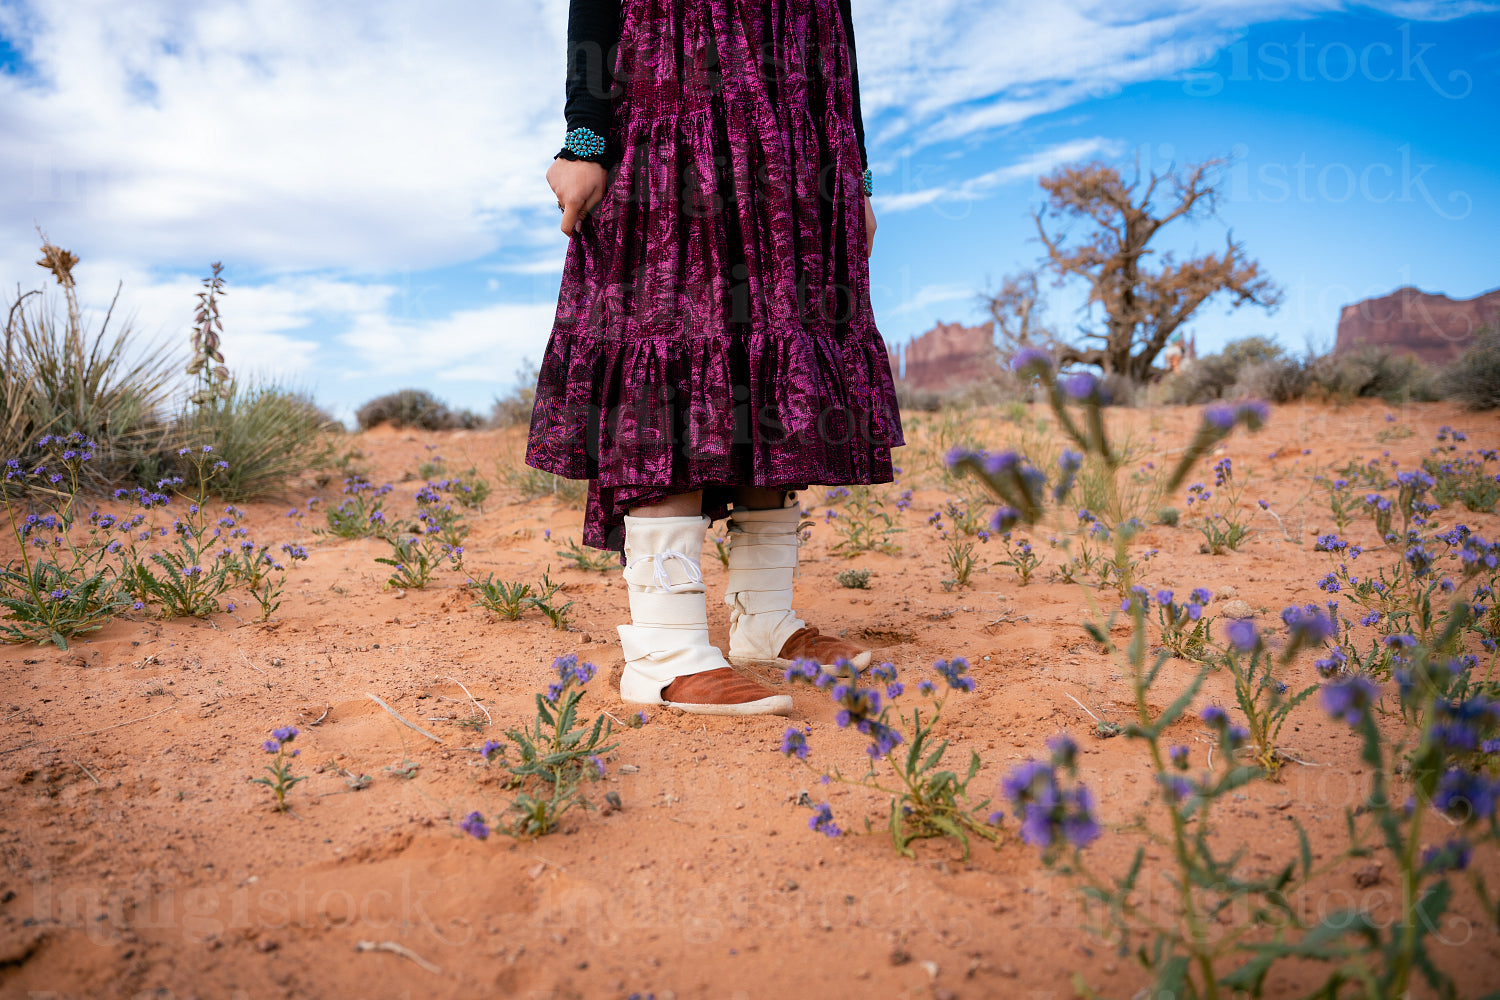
[{"x": 139, "y": 861}]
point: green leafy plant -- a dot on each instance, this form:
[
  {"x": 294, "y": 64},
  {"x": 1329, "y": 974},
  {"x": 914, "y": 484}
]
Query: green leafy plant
[
  {"x": 1262, "y": 696},
  {"x": 1020, "y": 557},
  {"x": 543, "y": 600},
  {"x": 596, "y": 561},
  {"x": 959, "y": 535},
  {"x": 1184, "y": 627},
  {"x": 1221, "y": 520},
  {"x": 413, "y": 561},
  {"x": 502, "y": 599},
  {"x": 854, "y": 579},
  {"x": 553, "y": 757},
  {"x": 926, "y": 799},
  {"x": 282, "y": 780},
  {"x": 58, "y": 588},
  {"x": 362, "y": 515},
  {"x": 194, "y": 572},
  {"x": 863, "y": 524}
]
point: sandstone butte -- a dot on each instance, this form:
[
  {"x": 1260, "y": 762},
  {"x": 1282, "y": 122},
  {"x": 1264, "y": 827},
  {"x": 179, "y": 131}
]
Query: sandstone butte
[
  {"x": 1430, "y": 326},
  {"x": 1433, "y": 327}
]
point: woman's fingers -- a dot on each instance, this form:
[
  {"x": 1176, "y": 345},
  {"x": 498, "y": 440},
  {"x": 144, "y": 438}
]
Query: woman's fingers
[
  {"x": 869, "y": 227},
  {"x": 595, "y": 196},
  {"x": 572, "y": 212},
  {"x": 579, "y": 188}
]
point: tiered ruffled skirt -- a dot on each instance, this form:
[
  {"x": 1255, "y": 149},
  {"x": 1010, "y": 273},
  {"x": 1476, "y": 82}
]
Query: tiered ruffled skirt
[{"x": 713, "y": 327}]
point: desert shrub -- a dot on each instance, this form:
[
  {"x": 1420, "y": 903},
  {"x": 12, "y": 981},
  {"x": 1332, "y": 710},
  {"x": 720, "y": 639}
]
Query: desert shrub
[
  {"x": 993, "y": 390},
  {"x": 1211, "y": 377},
  {"x": 1277, "y": 380},
  {"x": 515, "y": 408},
  {"x": 17, "y": 403},
  {"x": 1373, "y": 371},
  {"x": 534, "y": 484},
  {"x": 1474, "y": 379},
  {"x": 917, "y": 400},
  {"x": 1120, "y": 389},
  {"x": 267, "y": 434},
  {"x": 414, "y": 408},
  {"x": 62, "y": 377}
]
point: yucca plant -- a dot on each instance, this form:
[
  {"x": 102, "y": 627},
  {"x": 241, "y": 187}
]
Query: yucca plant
[{"x": 62, "y": 377}]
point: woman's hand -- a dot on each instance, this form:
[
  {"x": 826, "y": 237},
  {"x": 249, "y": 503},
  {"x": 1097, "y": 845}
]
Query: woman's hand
[
  {"x": 869, "y": 227},
  {"x": 579, "y": 186}
]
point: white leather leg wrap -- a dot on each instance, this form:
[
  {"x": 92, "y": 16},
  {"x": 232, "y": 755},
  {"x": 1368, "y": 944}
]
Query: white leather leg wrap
[
  {"x": 762, "y": 564},
  {"x": 668, "y": 634}
]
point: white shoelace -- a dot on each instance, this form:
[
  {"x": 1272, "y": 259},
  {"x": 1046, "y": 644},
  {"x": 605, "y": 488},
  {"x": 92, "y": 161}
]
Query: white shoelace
[{"x": 659, "y": 573}]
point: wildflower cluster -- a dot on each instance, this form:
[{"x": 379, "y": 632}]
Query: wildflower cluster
[
  {"x": 1417, "y": 569},
  {"x": 281, "y": 780},
  {"x": 959, "y": 534},
  {"x": 76, "y": 572},
  {"x": 1053, "y": 808},
  {"x": 1184, "y": 627},
  {"x": 862, "y": 522},
  {"x": 925, "y": 799},
  {"x": 552, "y": 759},
  {"x": 1470, "y": 479},
  {"x": 419, "y": 547},
  {"x": 361, "y": 514},
  {"x": 1222, "y": 521}
]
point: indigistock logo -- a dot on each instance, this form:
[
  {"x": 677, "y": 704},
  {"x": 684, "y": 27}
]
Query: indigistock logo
[
  {"x": 1308, "y": 60},
  {"x": 153, "y": 901},
  {"x": 1157, "y": 901},
  {"x": 700, "y": 911}
]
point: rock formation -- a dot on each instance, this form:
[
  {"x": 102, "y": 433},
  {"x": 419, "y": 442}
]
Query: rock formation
[
  {"x": 947, "y": 356},
  {"x": 1435, "y": 328}
]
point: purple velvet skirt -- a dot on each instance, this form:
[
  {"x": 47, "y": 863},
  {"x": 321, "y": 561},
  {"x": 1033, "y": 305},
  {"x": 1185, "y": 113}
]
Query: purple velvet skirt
[{"x": 713, "y": 327}]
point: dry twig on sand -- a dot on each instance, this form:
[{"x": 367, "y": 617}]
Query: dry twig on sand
[
  {"x": 471, "y": 698},
  {"x": 397, "y": 949},
  {"x": 401, "y": 719}
]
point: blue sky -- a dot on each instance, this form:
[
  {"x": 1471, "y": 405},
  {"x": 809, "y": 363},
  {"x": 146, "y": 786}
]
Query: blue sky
[{"x": 381, "y": 210}]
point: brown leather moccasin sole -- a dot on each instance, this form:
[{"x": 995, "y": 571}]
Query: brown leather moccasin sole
[{"x": 723, "y": 692}]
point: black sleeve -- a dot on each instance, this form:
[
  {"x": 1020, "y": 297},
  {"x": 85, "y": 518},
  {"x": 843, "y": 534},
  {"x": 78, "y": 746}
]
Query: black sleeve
[
  {"x": 593, "y": 31},
  {"x": 859, "y": 124}
]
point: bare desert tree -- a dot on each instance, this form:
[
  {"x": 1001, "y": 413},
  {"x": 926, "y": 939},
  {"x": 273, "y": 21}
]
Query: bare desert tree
[
  {"x": 1018, "y": 312},
  {"x": 1142, "y": 307}
]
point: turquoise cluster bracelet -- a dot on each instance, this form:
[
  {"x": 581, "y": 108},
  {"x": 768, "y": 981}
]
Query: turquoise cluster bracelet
[
  {"x": 869, "y": 182},
  {"x": 584, "y": 142}
]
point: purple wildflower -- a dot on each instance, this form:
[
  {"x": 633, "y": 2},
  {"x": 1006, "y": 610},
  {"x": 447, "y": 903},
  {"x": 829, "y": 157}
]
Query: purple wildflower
[
  {"x": 1243, "y": 635},
  {"x": 475, "y": 826},
  {"x": 1350, "y": 698},
  {"x": 822, "y": 821}
]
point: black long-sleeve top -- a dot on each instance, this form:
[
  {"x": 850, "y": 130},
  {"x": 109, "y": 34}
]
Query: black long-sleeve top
[{"x": 593, "y": 31}]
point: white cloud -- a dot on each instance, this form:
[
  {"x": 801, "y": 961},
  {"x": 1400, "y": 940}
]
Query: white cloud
[
  {"x": 929, "y": 295},
  {"x": 945, "y": 70},
  {"x": 324, "y": 149},
  {"x": 485, "y": 344},
  {"x": 278, "y": 134},
  {"x": 974, "y": 188}
]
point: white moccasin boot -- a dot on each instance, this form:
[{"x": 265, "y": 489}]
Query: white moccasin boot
[
  {"x": 667, "y": 640},
  {"x": 762, "y": 566}
]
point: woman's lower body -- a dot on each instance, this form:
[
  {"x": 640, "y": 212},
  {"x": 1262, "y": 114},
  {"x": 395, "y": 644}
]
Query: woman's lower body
[{"x": 714, "y": 348}]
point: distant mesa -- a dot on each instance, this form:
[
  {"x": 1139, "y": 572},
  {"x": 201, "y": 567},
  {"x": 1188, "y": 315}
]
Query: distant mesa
[
  {"x": 947, "y": 356},
  {"x": 1434, "y": 328}
]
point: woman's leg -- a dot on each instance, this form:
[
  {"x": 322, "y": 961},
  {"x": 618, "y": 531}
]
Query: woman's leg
[
  {"x": 676, "y": 505},
  {"x": 762, "y": 565},
  {"x": 758, "y": 497}
]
